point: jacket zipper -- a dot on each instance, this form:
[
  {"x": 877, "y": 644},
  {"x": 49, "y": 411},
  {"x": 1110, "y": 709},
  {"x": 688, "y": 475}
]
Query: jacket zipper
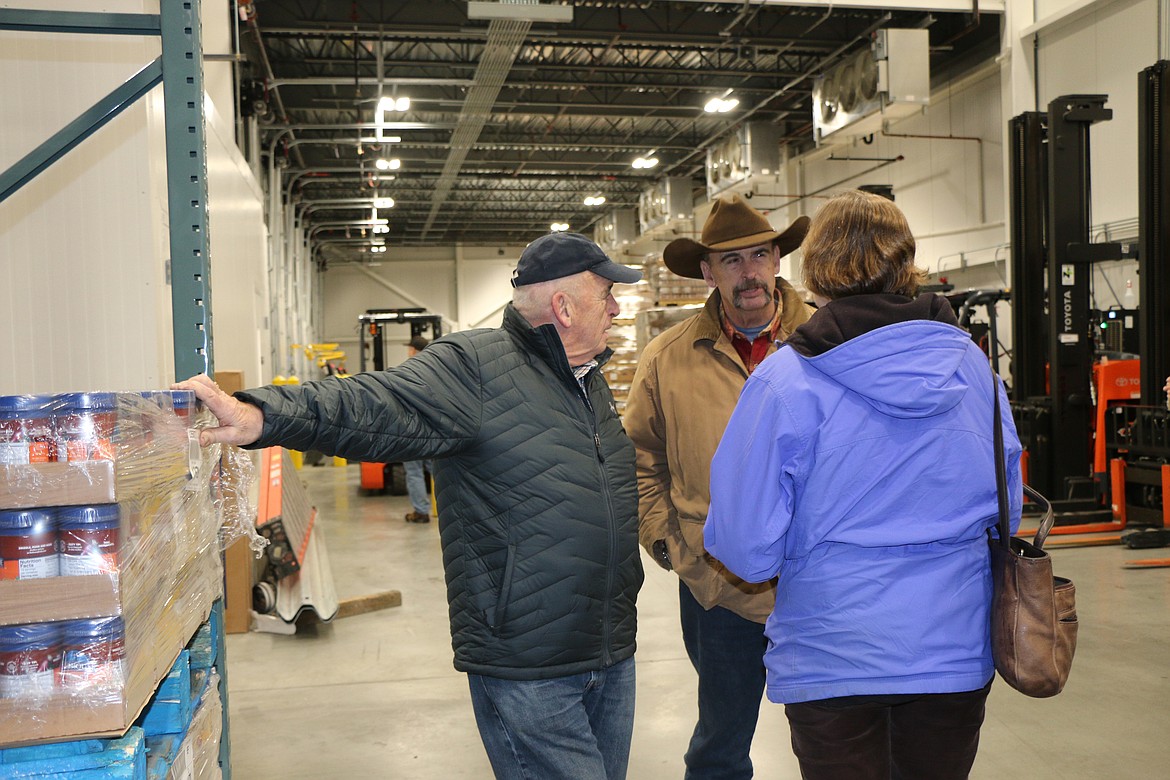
[
  {"x": 583, "y": 393},
  {"x": 611, "y": 563}
]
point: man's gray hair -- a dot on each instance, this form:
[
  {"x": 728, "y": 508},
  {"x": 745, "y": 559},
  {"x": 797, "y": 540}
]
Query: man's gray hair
[{"x": 532, "y": 301}]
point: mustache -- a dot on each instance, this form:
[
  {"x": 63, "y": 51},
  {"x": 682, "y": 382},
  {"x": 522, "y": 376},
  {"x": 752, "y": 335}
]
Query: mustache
[{"x": 751, "y": 284}]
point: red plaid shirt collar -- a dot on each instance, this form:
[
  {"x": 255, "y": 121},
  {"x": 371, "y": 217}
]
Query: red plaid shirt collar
[{"x": 752, "y": 353}]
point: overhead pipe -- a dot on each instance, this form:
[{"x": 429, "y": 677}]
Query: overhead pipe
[
  {"x": 837, "y": 183},
  {"x": 977, "y": 140},
  {"x": 269, "y": 75}
]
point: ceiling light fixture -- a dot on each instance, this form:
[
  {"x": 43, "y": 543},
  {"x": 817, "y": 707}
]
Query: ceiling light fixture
[
  {"x": 381, "y": 228},
  {"x": 392, "y": 104},
  {"x": 648, "y": 161},
  {"x": 392, "y": 164},
  {"x": 721, "y": 104},
  {"x": 386, "y": 105},
  {"x": 383, "y": 203},
  {"x": 559, "y": 227},
  {"x": 594, "y": 200}
]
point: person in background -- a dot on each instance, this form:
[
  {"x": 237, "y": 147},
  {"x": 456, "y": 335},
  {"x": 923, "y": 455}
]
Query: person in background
[
  {"x": 537, "y": 503},
  {"x": 416, "y": 481},
  {"x": 686, "y": 385},
  {"x": 867, "y": 441}
]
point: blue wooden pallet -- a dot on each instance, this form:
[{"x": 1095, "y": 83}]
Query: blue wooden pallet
[{"x": 88, "y": 759}]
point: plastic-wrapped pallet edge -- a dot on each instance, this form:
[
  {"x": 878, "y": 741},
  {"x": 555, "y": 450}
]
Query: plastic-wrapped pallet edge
[{"x": 115, "y": 553}]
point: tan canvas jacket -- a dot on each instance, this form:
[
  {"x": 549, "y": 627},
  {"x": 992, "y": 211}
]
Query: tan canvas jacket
[{"x": 682, "y": 396}]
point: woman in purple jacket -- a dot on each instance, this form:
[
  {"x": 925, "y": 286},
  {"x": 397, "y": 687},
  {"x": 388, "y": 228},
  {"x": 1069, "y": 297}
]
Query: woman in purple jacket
[{"x": 859, "y": 469}]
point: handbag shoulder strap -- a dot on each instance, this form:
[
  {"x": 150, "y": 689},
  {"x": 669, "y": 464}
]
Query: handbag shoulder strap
[
  {"x": 1004, "y": 525},
  {"x": 1048, "y": 518}
]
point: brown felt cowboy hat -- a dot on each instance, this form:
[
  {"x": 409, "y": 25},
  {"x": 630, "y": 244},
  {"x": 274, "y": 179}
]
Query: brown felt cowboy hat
[{"x": 732, "y": 224}]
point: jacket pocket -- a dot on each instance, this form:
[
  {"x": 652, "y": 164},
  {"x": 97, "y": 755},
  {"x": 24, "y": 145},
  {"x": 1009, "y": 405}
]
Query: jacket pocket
[{"x": 499, "y": 614}]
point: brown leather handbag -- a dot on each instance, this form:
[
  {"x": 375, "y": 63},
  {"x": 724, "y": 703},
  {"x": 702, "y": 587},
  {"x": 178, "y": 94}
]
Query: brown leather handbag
[{"x": 1033, "y": 612}]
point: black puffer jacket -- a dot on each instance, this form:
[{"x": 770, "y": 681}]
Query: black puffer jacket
[{"x": 536, "y": 489}]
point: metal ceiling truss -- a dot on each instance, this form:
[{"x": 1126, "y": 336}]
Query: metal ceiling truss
[{"x": 512, "y": 123}]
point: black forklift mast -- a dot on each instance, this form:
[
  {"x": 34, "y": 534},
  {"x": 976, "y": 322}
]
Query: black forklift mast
[
  {"x": 1029, "y": 207},
  {"x": 1051, "y": 270},
  {"x": 1138, "y": 435},
  {"x": 1070, "y": 256},
  {"x": 1050, "y": 206},
  {"x": 1154, "y": 230},
  {"x": 373, "y": 322}
]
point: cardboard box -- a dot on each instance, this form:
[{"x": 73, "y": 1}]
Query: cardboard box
[
  {"x": 238, "y": 560},
  {"x": 26, "y": 485},
  {"x": 169, "y": 571},
  {"x": 156, "y": 633}
]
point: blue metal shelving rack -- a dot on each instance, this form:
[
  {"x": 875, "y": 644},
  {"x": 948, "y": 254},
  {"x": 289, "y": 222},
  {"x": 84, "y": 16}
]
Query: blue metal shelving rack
[{"x": 180, "y": 70}]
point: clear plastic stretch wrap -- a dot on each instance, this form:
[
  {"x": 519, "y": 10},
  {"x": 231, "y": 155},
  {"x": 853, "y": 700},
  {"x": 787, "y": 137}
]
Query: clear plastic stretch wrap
[
  {"x": 198, "y": 756},
  {"x": 112, "y": 519}
]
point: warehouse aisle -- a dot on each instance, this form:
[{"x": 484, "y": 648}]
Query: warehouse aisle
[{"x": 375, "y": 696}]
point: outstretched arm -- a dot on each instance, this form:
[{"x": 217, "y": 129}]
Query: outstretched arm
[{"x": 239, "y": 423}]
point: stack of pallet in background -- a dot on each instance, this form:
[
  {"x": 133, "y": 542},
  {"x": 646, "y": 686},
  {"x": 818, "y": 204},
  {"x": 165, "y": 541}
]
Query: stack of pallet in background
[
  {"x": 670, "y": 289},
  {"x": 647, "y": 308},
  {"x": 110, "y": 531}
]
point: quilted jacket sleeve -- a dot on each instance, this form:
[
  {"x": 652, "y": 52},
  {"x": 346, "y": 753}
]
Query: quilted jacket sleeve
[{"x": 429, "y": 406}]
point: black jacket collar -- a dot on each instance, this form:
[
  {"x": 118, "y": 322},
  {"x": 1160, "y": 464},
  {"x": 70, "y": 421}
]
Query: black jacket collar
[{"x": 845, "y": 318}]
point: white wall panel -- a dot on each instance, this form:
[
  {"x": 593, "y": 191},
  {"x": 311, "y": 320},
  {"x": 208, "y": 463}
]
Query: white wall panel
[
  {"x": 239, "y": 278},
  {"x": 84, "y": 298},
  {"x": 1102, "y": 53},
  {"x": 950, "y": 191},
  {"x": 78, "y": 260},
  {"x": 419, "y": 277},
  {"x": 218, "y": 78}
]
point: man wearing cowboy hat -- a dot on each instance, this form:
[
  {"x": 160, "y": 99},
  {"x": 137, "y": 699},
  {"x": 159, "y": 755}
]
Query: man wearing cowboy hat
[{"x": 682, "y": 396}]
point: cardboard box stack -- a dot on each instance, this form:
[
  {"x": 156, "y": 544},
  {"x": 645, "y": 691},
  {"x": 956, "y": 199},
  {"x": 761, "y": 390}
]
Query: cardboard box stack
[
  {"x": 670, "y": 289},
  {"x": 619, "y": 371},
  {"x": 109, "y": 556}
]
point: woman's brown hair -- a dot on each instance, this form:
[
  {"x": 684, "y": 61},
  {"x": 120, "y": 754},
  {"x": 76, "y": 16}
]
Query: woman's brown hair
[{"x": 860, "y": 243}]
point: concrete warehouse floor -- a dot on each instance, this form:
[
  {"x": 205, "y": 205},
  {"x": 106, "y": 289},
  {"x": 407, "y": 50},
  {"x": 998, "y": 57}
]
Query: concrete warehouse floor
[{"x": 375, "y": 696}]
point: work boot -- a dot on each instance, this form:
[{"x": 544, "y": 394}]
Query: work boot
[{"x": 418, "y": 517}]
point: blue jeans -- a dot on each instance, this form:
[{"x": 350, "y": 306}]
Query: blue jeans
[
  {"x": 416, "y": 487},
  {"x": 576, "y": 727},
  {"x": 728, "y": 653}
]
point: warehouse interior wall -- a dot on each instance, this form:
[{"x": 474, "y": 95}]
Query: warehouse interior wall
[
  {"x": 467, "y": 286},
  {"x": 84, "y": 245}
]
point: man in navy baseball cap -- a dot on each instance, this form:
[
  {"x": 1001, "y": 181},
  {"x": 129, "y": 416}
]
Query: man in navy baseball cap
[
  {"x": 535, "y": 477},
  {"x": 558, "y": 255}
]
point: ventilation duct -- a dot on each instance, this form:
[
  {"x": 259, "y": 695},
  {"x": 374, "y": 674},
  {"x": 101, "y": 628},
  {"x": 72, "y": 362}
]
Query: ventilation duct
[
  {"x": 664, "y": 204},
  {"x": 616, "y": 230},
  {"x": 889, "y": 79},
  {"x": 751, "y": 151}
]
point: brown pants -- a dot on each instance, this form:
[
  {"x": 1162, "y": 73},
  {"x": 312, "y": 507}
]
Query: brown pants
[{"x": 906, "y": 737}]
